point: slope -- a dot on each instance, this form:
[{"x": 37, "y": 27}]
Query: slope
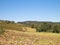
[{"x": 13, "y": 37}]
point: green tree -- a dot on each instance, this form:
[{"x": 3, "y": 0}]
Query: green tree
[
  {"x": 33, "y": 26},
  {"x": 55, "y": 29}
]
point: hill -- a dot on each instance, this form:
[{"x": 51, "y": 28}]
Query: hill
[
  {"x": 10, "y": 25},
  {"x": 29, "y": 33},
  {"x": 31, "y": 26},
  {"x": 42, "y": 26}
]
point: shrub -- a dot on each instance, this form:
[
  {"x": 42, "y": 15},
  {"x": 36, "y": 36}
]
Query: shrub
[
  {"x": 55, "y": 29},
  {"x": 2, "y": 31}
]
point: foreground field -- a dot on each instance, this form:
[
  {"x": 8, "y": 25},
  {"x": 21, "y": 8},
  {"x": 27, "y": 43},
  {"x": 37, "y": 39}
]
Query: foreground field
[{"x": 29, "y": 38}]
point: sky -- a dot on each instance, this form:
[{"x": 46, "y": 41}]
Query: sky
[{"x": 30, "y": 10}]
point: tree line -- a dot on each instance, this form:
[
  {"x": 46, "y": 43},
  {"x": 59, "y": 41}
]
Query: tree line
[{"x": 45, "y": 27}]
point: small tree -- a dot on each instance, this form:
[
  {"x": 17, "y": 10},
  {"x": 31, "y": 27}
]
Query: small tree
[
  {"x": 33, "y": 26},
  {"x": 55, "y": 29}
]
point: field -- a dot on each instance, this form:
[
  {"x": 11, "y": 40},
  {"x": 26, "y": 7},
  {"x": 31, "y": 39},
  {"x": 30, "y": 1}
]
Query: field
[
  {"x": 20, "y": 34},
  {"x": 13, "y": 37}
]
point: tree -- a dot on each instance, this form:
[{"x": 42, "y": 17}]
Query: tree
[
  {"x": 33, "y": 26},
  {"x": 55, "y": 29},
  {"x": 9, "y": 22}
]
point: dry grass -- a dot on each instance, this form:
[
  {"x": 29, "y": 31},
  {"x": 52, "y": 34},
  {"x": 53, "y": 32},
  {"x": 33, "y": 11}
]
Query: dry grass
[
  {"x": 12, "y": 37},
  {"x": 16, "y": 26}
]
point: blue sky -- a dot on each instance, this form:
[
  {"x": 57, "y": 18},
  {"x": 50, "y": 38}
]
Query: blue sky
[{"x": 30, "y": 10}]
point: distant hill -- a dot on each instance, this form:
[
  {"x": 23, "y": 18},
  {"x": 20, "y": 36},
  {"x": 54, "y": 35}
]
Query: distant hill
[
  {"x": 42, "y": 26},
  {"x": 38, "y": 22},
  {"x": 34, "y": 26},
  {"x": 11, "y": 25}
]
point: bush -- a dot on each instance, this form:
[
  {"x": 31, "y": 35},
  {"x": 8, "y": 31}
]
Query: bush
[
  {"x": 2, "y": 31},
  {"x": 55, "y": 29}
]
